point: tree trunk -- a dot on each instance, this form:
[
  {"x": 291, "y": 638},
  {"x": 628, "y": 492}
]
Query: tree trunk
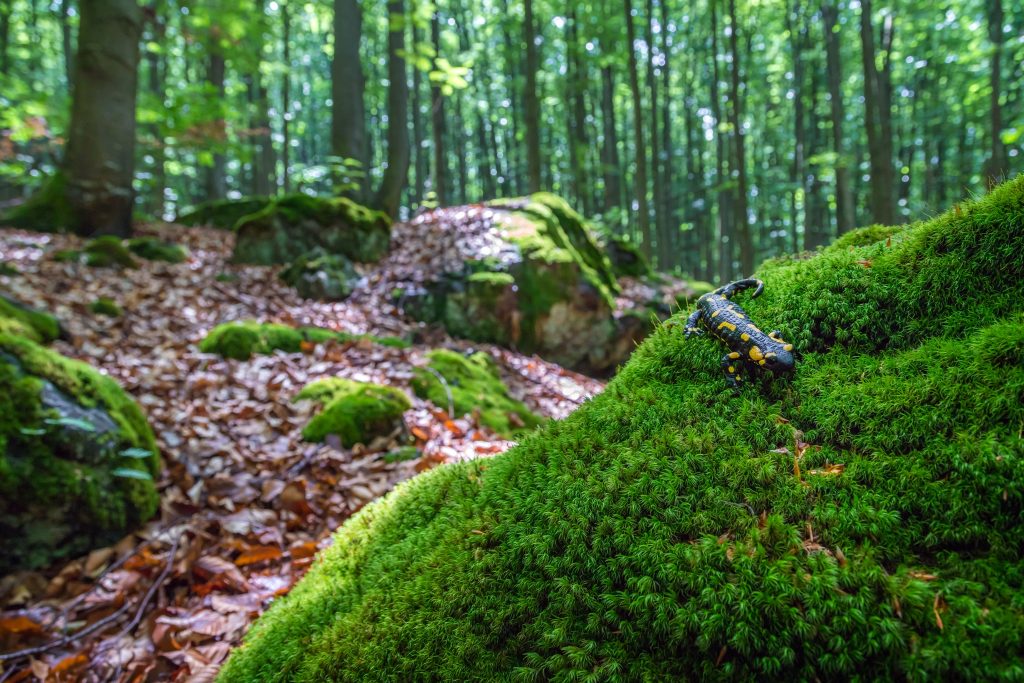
[
  {"x": 660, "y": 231},
  {"x": 101, "y": 139},
  {"x": 798, "y": 175},
  {"x": 437, "y": 121},
  {"x": 421, "y": 163},
  {"x": 667, "y": 210},
  {"x": 396, "y": 174},
  {"x": 995, "y": 170},
  {"x": 531, "y": 104},
  {"x": 286, "y": 98},
  {"x": 215, "y": 184},
  {"x": 845, "y": 220},
  {"x": 576, "y": 92},
  {"x": 746, "y": 239},
  {"x": 156, "y": 89},
  {"x": 878, "y": 122},
  {"x": 5, "y": 36},
  {"x": 725, "y": 230},
  {"x": 66, "y": 39},
  {"x": 638, "y": 136},
  {"x": 610, "y": 149},
  {"x": 348, "y": 114}
]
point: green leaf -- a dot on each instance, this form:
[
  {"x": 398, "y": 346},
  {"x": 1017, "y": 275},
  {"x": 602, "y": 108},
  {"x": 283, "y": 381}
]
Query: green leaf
[
  {"x": 31, "y": 431},
  {"x": 139, "y": 453},
  {"x": 128, "y": 473},
  {"x": 74, "y": 422}
]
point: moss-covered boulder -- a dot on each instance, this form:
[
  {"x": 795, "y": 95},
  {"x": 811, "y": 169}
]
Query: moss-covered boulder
[
  {"x": 355, "y": 412},
  {"x": 321, "y": 276},
  {"x": 240, "y": 340},
  {"x": 626, "y": 258},
  {"x": 153, "y": 249},
  {"x": 24, "y": 321},
  {"x": 860, "y": 519},
  {"x": 222, "y": 213},
  {"x": 77, "y": 457},
  {"x": 293, "y": 225},
  {"x": 108, "y": 251},
  {"x": 471, "y": 385}
]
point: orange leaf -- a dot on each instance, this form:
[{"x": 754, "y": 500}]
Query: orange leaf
[
  {"x": 18, "y": 625},
  {"x": 258, "y": 553},
  {"x": 420, "y": 434},
  {"x": 306, "y": 346},
  {"x": 303, "y": 550}
]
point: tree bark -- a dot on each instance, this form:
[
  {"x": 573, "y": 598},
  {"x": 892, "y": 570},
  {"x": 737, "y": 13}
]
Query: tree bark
[
  {"x": 667, "y": 210},
  {"x": 531, "y": 104},
  {"x": 725, "y": 230},
  {"x": 638, "y": 136},
  {"x": 396, "y": 174},
  {"x": 878, "y": 119},
  {"x": 286, "y": 98},
  {"x": 101, "y": 141},
  {"x": 845, "y": 220},
  {"x": 5, "y": 36},
  {"x": 576, "y": 92},
  {"x": 156, "y": 72},
  {"x": 265, "y": 179},
  {"x": 66, "y": 40},
  {"x": 660, "y": 231},
  {"x": 437, "y": 122},
  {"x": 995, "y": 170},
  {"x": 348, "y": 113},
  {"x": 746, "y": 239},
  {"x": 798, "y": 175},
  {"x": 215, "y": 185},
  {"x": 421, "y": 162},
  {"x": 610, "y": 149}
]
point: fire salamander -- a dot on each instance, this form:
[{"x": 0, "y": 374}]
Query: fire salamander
[{"x": 730, "y": 324}]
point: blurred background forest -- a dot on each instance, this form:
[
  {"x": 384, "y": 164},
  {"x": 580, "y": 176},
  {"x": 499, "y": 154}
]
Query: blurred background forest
[{"x": 712, "y": 133}]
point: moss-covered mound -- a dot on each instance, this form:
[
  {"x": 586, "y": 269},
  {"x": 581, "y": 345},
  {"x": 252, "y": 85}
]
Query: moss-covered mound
[
  {"x": 240, "y": 340},
  {"x": 860, "y": 519},
  {"x": 77, "y": 457},
  {"x": 626, "y": 258},
  {"x": 222, "y": 213},
  {"x": 293, "y": 225},
  {"x": 356, "y": 412},
  {"x": 44, "y": 211},
  {"x": 471, "y": 384},
  {"x": 107, "y": 251},
  {"x": 105, "y": 306},
  {"x": 153, "y": 249},
  {"x": 321, "y": 276},
  {"x": 24, "y": 321}
]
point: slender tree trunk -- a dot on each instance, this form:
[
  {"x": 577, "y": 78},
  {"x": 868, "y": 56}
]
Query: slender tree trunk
[
  {"x": 265, "y": 181},
  {"x": 576, "y": 92},
  {"x": 66, "y": 39},
  {"x": 215, "y": 183},
  {"x": 798, "y": 175},
  {"x": 667, "y": 210},
  {"x": 663, "y": 252},
  {"x": 286, "y": 98},
  {"x": 101, "y": 141},
  {"x": 5, "y": 36},
  {"x": 638, "y": 135},
  {"x": 156, "y": 88},
  {"x": 421, "y": 162},
  {"x": 348, "y": 114},
  {"x": 845, "y": 220},
  {"x": 396, "y": 174},
  {"x": 746, "y": 239},
  {"x": 531, "y": 104},
  {"x": 878, "y": 122},
  {"x": 995, "y": 170},
  {"x": 610, "y": 148},
  {"x": 437, "y": 121},
  {"x": 725, "y": 230}
]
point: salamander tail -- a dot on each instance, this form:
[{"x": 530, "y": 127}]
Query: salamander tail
[{"x": 733, "y": 287}]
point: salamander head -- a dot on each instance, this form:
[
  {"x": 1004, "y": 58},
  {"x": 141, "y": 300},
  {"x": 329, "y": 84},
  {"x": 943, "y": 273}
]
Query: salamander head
[{"x": 780, "y": 361}]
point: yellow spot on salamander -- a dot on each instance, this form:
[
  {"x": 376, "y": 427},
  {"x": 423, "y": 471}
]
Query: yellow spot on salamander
[
  {"x": 732, "y": 369},
  {"x": 727, "y": 324},
  {"x": 745, "y": 337},
  {"x": 734, "y": 355},
  {"x": 760, "y": 362},
  {"x": 755, "y": 353},
  {"x": 715, "y": 314},
  {"x": 788, "y": 347}
]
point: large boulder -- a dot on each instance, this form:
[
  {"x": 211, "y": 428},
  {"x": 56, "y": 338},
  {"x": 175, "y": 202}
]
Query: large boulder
[
  {"x": 858, "y": 519},
  {"x": 222, "y": 213},
  {"x": 524, "y": 273},
  {"x": 321, "y": 276},
  {"x": 291, "y": 226},
  {"x": 77, "y": 457}
]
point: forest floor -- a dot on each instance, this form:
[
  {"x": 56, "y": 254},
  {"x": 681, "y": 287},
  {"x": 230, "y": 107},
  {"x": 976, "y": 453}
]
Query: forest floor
[{"x": 246, "y": 503}]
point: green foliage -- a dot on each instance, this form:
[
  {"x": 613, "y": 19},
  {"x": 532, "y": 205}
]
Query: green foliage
[
  {"x": 64, "y": 428},
  {"x": 240, "y": 340},
  {"x": 356, "y": 412},
  {"x": 153, "y": 249},
  {"x": 475, "y": 387},
  {"x": 19, "y": 319},
  {"x": 106, "y": 306},
  {"x": 107, "y": 251},
  {"x": 664, "y": 532}
]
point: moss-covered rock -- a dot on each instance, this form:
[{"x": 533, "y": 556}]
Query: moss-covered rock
[
  {"x": 859, "y": 519},
  {"x": 77, "y": 457},
  {"x": 240, "y": 340},
  {"x": 106, "y": 306},
  {"x": 107, "y": 251},
  {"x": 153, "y": 249},
  {"x": 355, "y": 412},
  {"x": 47, "y": 210},
  {"x": 24, "y": 321},
  {"x": 626, "y": 258},
  {"x": 321, "y": 276},
  {"x": 222, "y": 213},
  {"x": 293, "y": 225},
  {"x": 474, "y": 386},
  {"x": 862, "y": 237}
]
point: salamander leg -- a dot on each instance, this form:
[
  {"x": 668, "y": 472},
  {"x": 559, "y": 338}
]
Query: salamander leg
[
  {"x": 691, "y": 325},
  {"x": 731, "y": 367}
]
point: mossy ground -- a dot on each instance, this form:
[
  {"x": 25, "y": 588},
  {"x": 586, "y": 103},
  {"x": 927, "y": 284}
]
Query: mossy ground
[
  {"x": 106, "y": 306},
  {"x": 240, "y": 340},
  {"x": 357, "y": 412},
  {"x": 153, "y": 249},
  {"x": 663, "y": 530},
  {"x": 107, "y": 251},
  {"x": 63, "y": 489},
  {"x": 475, "y": 387},
  {"x": 24, "y": 321}
]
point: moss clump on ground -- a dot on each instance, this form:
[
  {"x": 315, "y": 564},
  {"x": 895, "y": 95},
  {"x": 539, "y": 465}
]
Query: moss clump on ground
[
  {"x": 240, "y": 340},
  {"x": 106, "y": 306},
  {"x": 475, "y": 387},
  {"x": 356, "y": 412},
  {"x": 107, "y": 251},
  {"x": 222, "y": 213},
  {"x": 293, "y": 225},
  {"x": 25, "y": 321},
  {"x": 626, "y": 258},
  {"x": 663, "y": 531},
  {"x": 862, "y": 237},
  {"x": 47, "y": 210},
  {"x": 77, "y": 457},
  {"x": 153, "y": 249}
]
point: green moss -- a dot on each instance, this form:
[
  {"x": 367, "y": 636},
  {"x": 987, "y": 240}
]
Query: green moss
[
  {"x": 222, "y": 213},
  {"x": 106, "y": 251},
  {"x": 63, "y": 483},
  {"x": 357, "y": 412},
  {"x": 661, "y": 532},
  {"x": 862, "y": 237},
  {"x": 66, "y": 255},
  {"x": 492, "y": 278},
  {"x": 7, "y": 270},
  {"x": 153, "y": 249},
  {"x": 47, "y": 210},
  {"x": 25, "y": 321},
  {"x": 106, "y": 306},
  {"x": 240, "y": 340},
  {"x": 475, "y": 388},
  {"x": 626, "y": 258}
]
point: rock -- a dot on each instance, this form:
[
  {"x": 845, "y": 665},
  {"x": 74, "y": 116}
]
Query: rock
[
  {"x": 355, "y": 412},
  {"x": 222, "y": 213},
  {"x": 77, "y": 457},
  {"x": 321, "y": 276},
  {"x": 471, "y": 385},
  {"x": 291, "y": 226}
]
